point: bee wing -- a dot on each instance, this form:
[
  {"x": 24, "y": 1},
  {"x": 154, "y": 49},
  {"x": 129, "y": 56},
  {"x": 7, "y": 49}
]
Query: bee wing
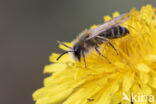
[{"x": 104, "y": 27}]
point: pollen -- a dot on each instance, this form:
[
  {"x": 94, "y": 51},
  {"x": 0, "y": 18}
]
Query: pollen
[{"x": 132, "y": 71}]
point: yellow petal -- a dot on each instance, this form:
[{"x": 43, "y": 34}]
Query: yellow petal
[
  {"x": 107, "y": 18},
  {"x": 82, "y": 94},
  {"x": 115, "y": 14},
  {"x": 143, "y": 67},
  {"x": 144, "y": 77},
  {"x": 93, "y": 26},
  {"x": 146, "y": 89},
  {"x": 152, "y": 79},
  {"x": 127, "y": 82},
  {"x": 151, "y": 58},
  {"x": 54, "y": 68}
]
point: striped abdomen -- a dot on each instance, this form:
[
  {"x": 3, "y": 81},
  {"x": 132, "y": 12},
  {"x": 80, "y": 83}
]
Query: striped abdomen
[{"x": 115, "y": 32}]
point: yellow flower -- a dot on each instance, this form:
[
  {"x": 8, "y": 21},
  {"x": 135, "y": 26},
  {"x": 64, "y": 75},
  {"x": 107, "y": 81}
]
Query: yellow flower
[{"x": 130, "y": 74}]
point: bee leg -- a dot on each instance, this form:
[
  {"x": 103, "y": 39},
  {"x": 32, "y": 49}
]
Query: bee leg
[
  {"x": 107, "y": 41},
  {"x": 97, "y": 50},
  {"x": 84, "y": 58}
]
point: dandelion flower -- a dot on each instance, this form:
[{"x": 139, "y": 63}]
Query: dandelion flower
[{"x": 132, "y": 71}]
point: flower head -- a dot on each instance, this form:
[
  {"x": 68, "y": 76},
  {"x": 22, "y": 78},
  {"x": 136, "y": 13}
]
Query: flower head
[{"x": 132, "y": 71}]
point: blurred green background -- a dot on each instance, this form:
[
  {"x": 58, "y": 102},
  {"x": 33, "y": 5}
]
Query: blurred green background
[{"x": 28, "y": 33}]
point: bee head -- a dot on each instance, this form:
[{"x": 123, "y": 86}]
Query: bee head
[{"x": 77, "y": 51}]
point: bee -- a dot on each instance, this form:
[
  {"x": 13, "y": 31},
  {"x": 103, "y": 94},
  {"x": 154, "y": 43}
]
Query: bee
[{"x": 92, "y": 38}]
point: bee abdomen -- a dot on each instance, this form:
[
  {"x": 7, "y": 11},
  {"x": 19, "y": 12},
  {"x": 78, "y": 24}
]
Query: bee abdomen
[{"x": 115, "y": 32}]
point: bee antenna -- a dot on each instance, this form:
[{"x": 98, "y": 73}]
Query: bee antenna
[
  {"x": 63, "y": 44},
  {"x": 63, "y": 54}
]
